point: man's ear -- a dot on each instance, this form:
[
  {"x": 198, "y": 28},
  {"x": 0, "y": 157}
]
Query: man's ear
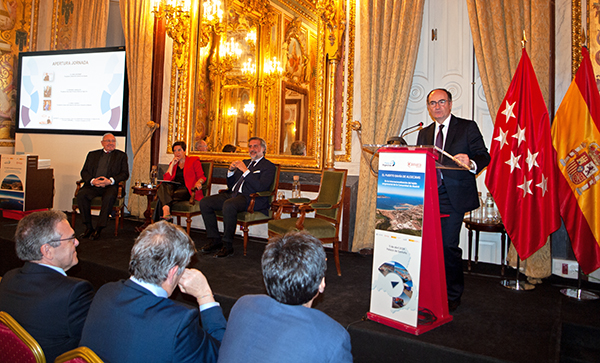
[
  {"x": 322, "y": 286},
  {"x": 47, "y": 251},
  {"x": 172, "y": 276}
]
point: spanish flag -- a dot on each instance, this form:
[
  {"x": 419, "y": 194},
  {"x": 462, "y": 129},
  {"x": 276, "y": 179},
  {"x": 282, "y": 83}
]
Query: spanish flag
[{"x": 576, "y": 138}]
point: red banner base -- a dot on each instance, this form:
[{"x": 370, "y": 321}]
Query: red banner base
[
  {"x": 420, "y": 329},
  {"x": 18, "y": 214}
]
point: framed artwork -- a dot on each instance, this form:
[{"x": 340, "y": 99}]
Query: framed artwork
[
  {"x": 18, "y": 33},
  {"x": 593, "y": 22}
]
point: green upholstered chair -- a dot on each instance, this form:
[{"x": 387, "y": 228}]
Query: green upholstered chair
[
  {"x": 118, "y": 208},
  {"x": 250, "y": 217},
  {"x": 328, "y": 213},
  {"x": 191, "y": 208}
]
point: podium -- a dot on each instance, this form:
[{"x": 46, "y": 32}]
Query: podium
[{"x": 409, "y": 281}]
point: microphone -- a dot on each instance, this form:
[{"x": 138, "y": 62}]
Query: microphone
[
  {"x": 418, "y": 127},
  {"x": 399, "y": 140}
]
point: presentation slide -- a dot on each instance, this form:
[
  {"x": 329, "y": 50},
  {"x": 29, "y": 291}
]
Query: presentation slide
[{"x": 73, "y": 92}]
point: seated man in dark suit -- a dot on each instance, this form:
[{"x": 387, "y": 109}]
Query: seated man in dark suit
[
  {"x": 244, "y": 177},
  {"x": 282, "y": 327},
  {"x": 134, "y": 321},
  {"x": 49, "y": 305},
  {"x": 102, "y": 172}
]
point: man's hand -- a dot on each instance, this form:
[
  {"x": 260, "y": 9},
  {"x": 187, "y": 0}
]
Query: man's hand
[
  {"x": 101, "y": 182},
  {"x": 194, "y": 283},
  {"x": 198, "y": 184},
  {"x": 464, "y": 158},
  {"x": 238, "y": 164}
]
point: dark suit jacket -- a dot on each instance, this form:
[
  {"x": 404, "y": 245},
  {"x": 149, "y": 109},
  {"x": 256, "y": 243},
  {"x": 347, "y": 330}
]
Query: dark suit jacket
[
  {"x": 260, "y": 179},
  {"x": 192, "y": 172},
  {"x": 118, "y": 168},
  {"x": 262, "y": 330},
  {"x": 127, "y": 323},
  {"x": 463, "y": 137},
  {"x": 50, "y": 306}
]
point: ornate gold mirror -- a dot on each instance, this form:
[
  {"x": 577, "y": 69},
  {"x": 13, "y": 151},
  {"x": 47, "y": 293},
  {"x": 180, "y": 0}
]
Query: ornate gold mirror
[{"x": 259, "y": 69}]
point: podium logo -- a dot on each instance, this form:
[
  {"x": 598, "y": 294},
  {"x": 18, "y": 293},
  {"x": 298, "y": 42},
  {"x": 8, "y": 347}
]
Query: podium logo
[
  {"x": 388, "y": 163},
  {"x": 414, "y": 165}
]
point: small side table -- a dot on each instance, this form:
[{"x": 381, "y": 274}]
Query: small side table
[
  {"x": 150, "y": 193},
  {"x": 485, "y": 227},
  {"x": 287, "y": 207}
]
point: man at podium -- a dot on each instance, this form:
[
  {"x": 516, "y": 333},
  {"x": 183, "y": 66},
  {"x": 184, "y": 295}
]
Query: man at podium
[{"x": 457, "y": 189}]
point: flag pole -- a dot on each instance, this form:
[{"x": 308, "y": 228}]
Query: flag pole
[
  {"x": 516, "y": 284},
  {"x": 579, "y": 294}
]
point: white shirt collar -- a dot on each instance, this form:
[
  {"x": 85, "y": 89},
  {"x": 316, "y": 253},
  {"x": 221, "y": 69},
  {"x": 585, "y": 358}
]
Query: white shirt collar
[
  {"x": 55, "y": 268},
  {"x": 156, "y": 290}
]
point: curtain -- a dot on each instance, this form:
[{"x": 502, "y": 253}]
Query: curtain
[
  {"x": 138, "y": 27},
  {"x": 497, "y": 28},
  {"x": 389, "y": 41},
  {"x": 90, "y": 21}
]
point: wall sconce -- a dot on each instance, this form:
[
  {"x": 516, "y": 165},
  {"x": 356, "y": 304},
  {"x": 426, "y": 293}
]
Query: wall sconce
[
  {"x": 177, "y": 16},
  {"x": 251, "y": 38},
  {"x": 229, "y": 51},
  {"x": 273, "y": 67},
  {"x": 249, "y": 108},
  {"x": 232, "y": 111}
]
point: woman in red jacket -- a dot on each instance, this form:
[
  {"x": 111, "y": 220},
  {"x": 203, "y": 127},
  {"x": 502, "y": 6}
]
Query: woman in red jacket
[{"x": 186, "y": 173}]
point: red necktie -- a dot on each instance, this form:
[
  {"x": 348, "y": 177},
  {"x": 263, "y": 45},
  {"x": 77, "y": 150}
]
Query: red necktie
[{"x": 439, "y": 142}]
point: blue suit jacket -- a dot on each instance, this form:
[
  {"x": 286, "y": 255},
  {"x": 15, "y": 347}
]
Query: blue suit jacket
[
  {"x": 50, "y": 306},
  {"x": 463, "y": 137},
  {"x": 259, "y": 179},
  {"x": 262, "y": 330},
  {"x": 127, "y": 323}
]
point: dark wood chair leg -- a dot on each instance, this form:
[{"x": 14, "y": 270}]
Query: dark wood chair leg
[
  {"x": 245, "y": 230},
  {"x": 117, "y": 217},
  {"x": 188, "y": 221},
  {"x": 336, "y": 257},
  {"x": 73, "y": 217}
]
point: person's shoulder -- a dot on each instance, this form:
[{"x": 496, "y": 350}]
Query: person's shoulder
[{"x": 461, "y": 120}]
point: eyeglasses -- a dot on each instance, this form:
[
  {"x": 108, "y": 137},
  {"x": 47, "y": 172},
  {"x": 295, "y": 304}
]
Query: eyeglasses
[
  {"x": 109, "y": 140},
  {"x": 440, "y": 102},
  {"x": 63, "y": 239}
]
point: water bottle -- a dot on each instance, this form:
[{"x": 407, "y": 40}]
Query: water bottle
[
  {"x": 490, "y": 215},
  {"x": 154, "y": 176},
  {"x": 296, "y": 192}
]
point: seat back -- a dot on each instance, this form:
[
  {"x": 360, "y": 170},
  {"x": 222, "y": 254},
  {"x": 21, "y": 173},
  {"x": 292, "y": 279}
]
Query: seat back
[
  {"x": 79, "y": 355},
  {"x": 331, "y": 191},
  {"x": 207, "y": 168},
  {"x": 275, "y": 185},
  {"x": 16, "y": 344}
]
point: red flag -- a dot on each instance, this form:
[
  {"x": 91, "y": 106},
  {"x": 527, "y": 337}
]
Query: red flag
[
  {"x": 576, "y": 138},
  {"x": 522, "y": 172}
]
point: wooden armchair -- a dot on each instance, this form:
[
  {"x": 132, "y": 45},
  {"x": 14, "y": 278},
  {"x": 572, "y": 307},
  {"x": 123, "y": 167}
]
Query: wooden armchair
[
  {"x": 191, "y": 208},
  {"x": 250, "y": 217},
  {"x": 16, "y": 344},
  {"x": 328, "y": 208},
  {"x": 118, "y": 207}
]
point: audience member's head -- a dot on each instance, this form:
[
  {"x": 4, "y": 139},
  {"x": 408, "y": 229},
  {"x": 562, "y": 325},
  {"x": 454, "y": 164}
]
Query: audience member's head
[
  {"x": 201, "y": 145},
  {"x": 48, "y": 238},
  {"x": 298, "y": 148},
  {"x": 229, "y": 148},
  {"x": 159, "y": 248},
  {"x": 293, "y": 268}
]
